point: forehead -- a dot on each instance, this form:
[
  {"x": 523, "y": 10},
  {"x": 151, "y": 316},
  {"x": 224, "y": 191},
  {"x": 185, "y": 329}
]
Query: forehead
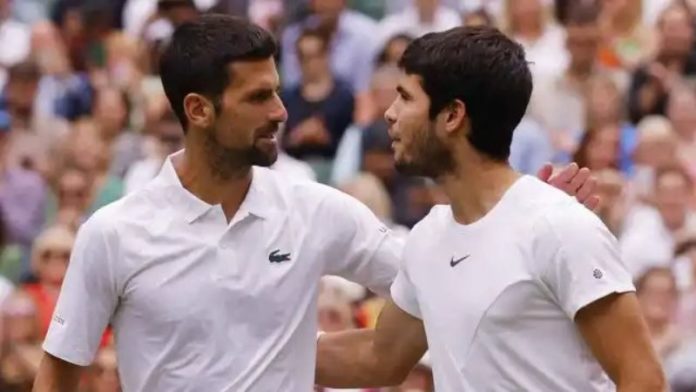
[
  {"x": 253, "y": 75},
  {"x": 413, "y": 84}
]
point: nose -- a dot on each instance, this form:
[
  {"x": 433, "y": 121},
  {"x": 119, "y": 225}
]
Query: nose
[
  {"x": 390, "y": 115},
  {"x": 279, "y": 113}
]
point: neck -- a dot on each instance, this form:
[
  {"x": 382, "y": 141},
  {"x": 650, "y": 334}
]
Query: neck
[
  {"x": 318, "y": 87},
  {"x": 427, "y": 14},
  {"x": 579, "y": 72},
  {"x": 198, "y": 177},
  {"x": 474, "y": 189}
]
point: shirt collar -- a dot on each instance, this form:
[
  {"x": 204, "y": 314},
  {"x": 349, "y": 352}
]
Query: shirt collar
[{"x": 257, "y": 201}]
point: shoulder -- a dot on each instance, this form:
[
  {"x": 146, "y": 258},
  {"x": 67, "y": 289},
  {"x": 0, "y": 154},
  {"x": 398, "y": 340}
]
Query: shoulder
[{"x": 432, "y": 224}]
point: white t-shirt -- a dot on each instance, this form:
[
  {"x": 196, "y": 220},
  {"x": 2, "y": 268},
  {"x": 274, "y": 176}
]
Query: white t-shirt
[
  {"x": 198, "y": 304},
  {"x": 498, "y": 297}
]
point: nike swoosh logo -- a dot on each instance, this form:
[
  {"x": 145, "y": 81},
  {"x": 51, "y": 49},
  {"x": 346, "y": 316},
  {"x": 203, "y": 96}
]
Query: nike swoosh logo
[{"x": 453, "y": 262}]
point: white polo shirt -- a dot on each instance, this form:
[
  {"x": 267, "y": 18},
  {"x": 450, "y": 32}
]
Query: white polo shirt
[
  {"x": 498, "y": 297},
  {"x": 198, "y": 304}
]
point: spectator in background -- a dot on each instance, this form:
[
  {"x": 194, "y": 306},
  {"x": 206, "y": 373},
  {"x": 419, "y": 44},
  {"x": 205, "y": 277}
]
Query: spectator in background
[
  {"x": 605, "y": 107},
  {"x": 530, "y": 23},
  {"x": 599, "y": 148},
  {"x": 320, "y": 108},
  {"x": 22, "y": 199},
  {"x": 652, "y": 81},
  {"x": 351, "y": 49},
  {"x": 651, "y": 231},
  {"x": 627, "y": 42},
  {"x": 111, "y": 116},
  {"x": 531, "y": 147},
  {"x": 50, "y": 258},
  {"x": 558, "y": 100},
  {"x": 611, "y": 190},
  {"x": 72, "y": 196},
  {"x": 11, "y": 267},
  {"x": 685, "y": 254},
  {"x": 393, "y": 50},
  {"x": 168, "y": 138},
  {"x": 20, "y": 352},
  {"x": 659, "y": 299},
  {"x": 14, "y": 40},
  {"x": 416, "y": 19},
  {"x": 681, "y": 111},
  {"x": 656, "y": 147}
]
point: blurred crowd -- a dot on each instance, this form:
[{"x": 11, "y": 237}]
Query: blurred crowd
[{"x": 84, "y": 121}]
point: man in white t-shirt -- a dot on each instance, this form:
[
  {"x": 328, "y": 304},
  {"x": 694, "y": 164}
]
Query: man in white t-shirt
[
  {"x": 515, "y": 286},
  {"x": 209, "y": 274}
]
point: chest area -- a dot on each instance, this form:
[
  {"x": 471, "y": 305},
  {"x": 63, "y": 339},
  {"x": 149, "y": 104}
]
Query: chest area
[{"x": 257, "y": 269}]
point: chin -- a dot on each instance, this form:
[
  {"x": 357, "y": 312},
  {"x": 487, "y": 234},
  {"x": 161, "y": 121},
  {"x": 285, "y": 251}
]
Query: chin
[{"x": 265, "y": 159}]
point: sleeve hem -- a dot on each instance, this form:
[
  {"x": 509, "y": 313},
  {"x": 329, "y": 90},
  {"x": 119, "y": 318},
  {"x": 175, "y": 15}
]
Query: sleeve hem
[
  {"x": 590, "y": 298},
  {"x": 406, "y": 308},
  {"x": 71, "y": 357}
]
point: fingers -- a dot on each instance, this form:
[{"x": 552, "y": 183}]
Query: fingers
[
  {"x": 592, "y": 203},
  {"x": 587, "y": 189},
  {"x": 565, "y": 176},
  {"x": 580, "y": 180},
  {"x": 545, "y": 172}
]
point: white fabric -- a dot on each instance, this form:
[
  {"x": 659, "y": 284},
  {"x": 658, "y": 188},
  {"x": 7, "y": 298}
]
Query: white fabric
[
  {"x": 196, "y": 303},
  {"x": 15, "y": 45},
  {"x": 547, "y": 55},
  {"x": 647, "y": 242},
  {"x": 294, "y": 168},
  {"x": 408, "y": 22},
  {"x": 502, "y": 319}
]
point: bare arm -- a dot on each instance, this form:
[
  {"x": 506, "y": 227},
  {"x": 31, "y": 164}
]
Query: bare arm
[
  {"x": 372, "y": 358},
  {"x": 56, "y": 375},
  {"x": 618, "y": 337}
]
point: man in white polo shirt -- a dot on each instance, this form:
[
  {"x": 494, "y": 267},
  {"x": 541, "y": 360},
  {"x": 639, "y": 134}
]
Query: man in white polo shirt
[
  {"x": 515, "y": 286},
  {"x": 209, "y": 274}
]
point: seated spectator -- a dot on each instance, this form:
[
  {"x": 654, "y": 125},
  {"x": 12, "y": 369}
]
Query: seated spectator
[
  {"x": 681, "y": 111},
  {"x": 531, "y": 147},
  {"x": 22, "y": 198},
  {"x": 320, "y": 108},
  {"x": 111, "y": 117},
  {"x": 627, "y": 42},
  {"x": 559, "y": 100},
  {"x": 651, "y": 231},
  {"x": 12, "y": 265},
  {"x": 674, "y": 59},
  {"x": 530, "y": 23},
  {"x": 656, "y": 147},
  {"x": 659, "y": 299},
  {"x": 416, "y": 19},
  {"x": 168, "y": 138},
  {"x": 685, "y": 267},
  {"x": 20, "y": 352},
  {"x": 393, "y": 50},
  {"x": 14, "y": 40},
  {"x": 351, "y": 49},
  {"x": 611, "y": 189},
  {"x": 599, "y": 149},
  {"x": 50, "y": 258},
  {"x": 73, "y": 188}
]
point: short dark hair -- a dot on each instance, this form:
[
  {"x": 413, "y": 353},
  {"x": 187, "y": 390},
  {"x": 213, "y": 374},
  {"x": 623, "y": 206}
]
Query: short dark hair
[
  {"x": 196, "y": 60},
  {"x": 312, "y": 33},
  {"x": 582, "y": 14},
  {"x": 26, "y": 71},
  {"x": 484, "y": 69}
]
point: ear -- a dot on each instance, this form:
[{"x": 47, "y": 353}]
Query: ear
[
  {"x": 456, "y": 116},
  {"x": 199, "y": 110}
]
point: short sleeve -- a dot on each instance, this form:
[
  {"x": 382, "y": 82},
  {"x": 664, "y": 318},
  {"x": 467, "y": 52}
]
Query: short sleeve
[
  {"x": 358, "y": 246},
  {"x": 87, "y": 299},
  {"x": 403, "y": 293},
  {"x": 580, "y": 258}
]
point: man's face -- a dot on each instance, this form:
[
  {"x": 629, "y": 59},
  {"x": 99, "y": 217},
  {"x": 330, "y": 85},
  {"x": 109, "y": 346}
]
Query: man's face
[
  {"x": 314, "y": 60},
  {"x": 583, "y": 43},
  {"x": 328, "y": 8},
  {"x": 110, "y": 112},
  {"x": 247, "y": 119},
  {"x": 676, "y": 33},
  {"x": 682, "y": 113},
  {"x": 672, "y": 196},
  {"x": 418, "y": 149}
]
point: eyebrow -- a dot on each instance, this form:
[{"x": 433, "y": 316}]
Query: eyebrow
[
  {"x": 401, "y": 90},
  {"x": 262, "y": 91}
]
